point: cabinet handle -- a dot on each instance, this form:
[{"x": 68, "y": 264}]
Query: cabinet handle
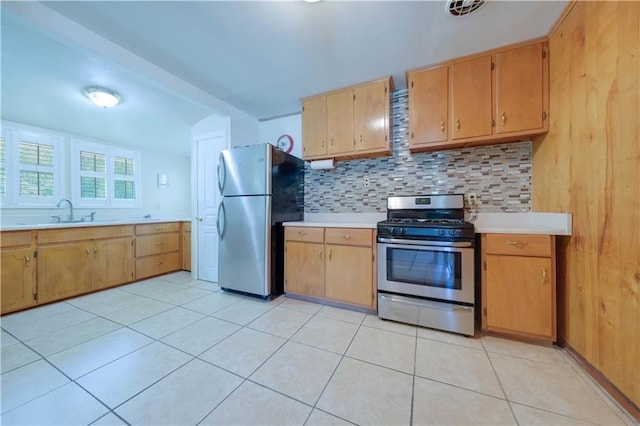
[
  {"x": 302, "y": 233},
  {"x": 519, "y": 244},
  {"x": 160, "y": 243},
  {"x": 322, "y": 143},
  {"x": 503, "y": 119},
  {"x": 347, "y": 236},
  {"x": 331, "y": 141},
  {"x": 159, "y": 263},
  {"x": 27, "y": 261},
  {"x": 330, "y": 253},
  {"x": 320, "y": 254},
  {"x": 88, "y": 251},
  {"x": 95, "y": 249},
  {"x": 442, "y": 126},
  {"x": 360, "y": 139},
  {"x": 158, "y": 228},
  {"x": 458, "y": 125},
  {"x": 544, "y": 275}
]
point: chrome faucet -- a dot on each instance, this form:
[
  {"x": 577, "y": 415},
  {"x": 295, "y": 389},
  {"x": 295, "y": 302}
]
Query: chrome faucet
[{"x": 70, "y": 208}]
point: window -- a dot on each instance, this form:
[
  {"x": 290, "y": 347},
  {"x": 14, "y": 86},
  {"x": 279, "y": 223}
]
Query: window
[
  {"x": 36, "y": 169},
  {"x": 30, "y": 168},
  {"x": 104, "y": 176}
]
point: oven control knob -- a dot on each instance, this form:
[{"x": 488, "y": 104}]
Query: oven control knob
[
  {"x": 452, "y": 232},
  {"x": 403, "y": 231},
  {"x": 440, "y": 231}
]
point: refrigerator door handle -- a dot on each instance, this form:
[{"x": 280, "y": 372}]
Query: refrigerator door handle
[
  {"x": 224, "y": 213},
  {"x": 222, "y": 177}
]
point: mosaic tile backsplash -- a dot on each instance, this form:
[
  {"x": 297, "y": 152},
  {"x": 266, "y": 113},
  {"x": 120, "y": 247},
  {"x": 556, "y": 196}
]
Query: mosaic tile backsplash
[{"x": 500, "y": 175}]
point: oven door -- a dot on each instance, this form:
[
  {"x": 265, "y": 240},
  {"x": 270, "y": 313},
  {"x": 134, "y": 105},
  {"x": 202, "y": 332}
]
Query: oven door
[{"x": 419, "y": 268}]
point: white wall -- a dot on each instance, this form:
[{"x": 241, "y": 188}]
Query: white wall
[
  {"x": 291, "y": 125},
  {"x": 171, "y": 203}
]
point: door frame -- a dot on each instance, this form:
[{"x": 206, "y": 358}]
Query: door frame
[{"x": 194, "y": 193}]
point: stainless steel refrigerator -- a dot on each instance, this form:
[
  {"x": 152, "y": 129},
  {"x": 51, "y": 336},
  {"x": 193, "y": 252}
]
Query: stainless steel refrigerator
[{"x": 261, "y": 187}]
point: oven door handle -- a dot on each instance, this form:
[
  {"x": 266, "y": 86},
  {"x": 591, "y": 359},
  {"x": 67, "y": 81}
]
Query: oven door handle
[{"x": 426, "y": 242}]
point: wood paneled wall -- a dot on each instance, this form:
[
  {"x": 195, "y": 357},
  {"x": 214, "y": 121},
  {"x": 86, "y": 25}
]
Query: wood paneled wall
[{"x": 589, "y": 165}]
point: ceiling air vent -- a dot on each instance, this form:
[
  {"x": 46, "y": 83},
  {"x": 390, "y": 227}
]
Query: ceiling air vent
[{"x": 463, "y": 7}]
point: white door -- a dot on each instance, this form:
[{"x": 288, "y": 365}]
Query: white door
[{"x": 208, "y": 197}]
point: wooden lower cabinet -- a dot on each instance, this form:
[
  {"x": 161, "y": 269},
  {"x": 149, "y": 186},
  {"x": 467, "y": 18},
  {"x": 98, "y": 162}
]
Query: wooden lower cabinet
[
  {"x": 186, "y": 246},
  {"x": 331, "y": 263},
  {"x": 54, "y": 264},
  {"x": 64, "y": 270},
  {"x": 113, "y": 262},
  {"x": 157, "y": 249},
  {"x": 518, "y": 285},
  {"x": 70, "y": 269},
  {"x": 304, "y": 268},
  {"x": 349, "y": 274},
  {"x": 17, "y": 271}
]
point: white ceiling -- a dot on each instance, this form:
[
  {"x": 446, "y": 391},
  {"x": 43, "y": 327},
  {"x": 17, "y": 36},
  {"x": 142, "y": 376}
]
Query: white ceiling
[{"x": 260, "y": 57}]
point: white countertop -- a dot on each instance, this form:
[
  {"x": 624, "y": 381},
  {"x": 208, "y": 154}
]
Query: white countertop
[
  {"x": 22, "y": 227},
  {"x": 485, "y": 223},
  {"x": 340, "y": 220}
]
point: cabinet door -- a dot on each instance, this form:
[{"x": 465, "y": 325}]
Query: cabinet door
[
  {"x": 520, "y": 295},
  {"x": 112, "y": 262},
  {"x": 471, "y": 98},
  {"x": 428, "y": 106},
  {"x": 519, "y": 89},
  {"x": 304, "y": 268},
  {"x": 64, "y": 270},
  {"x": 17, "y": 278},
  {"x": 314, "y": 126},
  {"x": 186, "y": 250},
  {"x": 340, "y": 122},
  {"x": 349, "y": 274},
  {"x": 371, "y": 117}
]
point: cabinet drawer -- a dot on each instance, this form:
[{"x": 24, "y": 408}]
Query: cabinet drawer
[
  {"x": 349, "y": 236},
  {"x": 157, "y": 228},
  {"x": 518, "y": 244},
  {"x": 156, "y": 265},
  {"x": 304, "y": 233},
  {"x": 14, "y": 239},
  {"x": 156, "y": 244}
]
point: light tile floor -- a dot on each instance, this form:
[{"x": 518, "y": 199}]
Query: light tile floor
[{"x": 172, "y": 350}]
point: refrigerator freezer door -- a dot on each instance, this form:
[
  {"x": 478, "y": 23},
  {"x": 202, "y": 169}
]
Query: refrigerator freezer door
[
  {"x": 245, "y": 171},
  {"x": 244, "y": 255}
]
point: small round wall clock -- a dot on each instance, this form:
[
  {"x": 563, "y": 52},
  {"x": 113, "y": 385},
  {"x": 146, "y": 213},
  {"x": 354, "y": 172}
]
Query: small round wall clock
[{"x": 285, "y": 143}]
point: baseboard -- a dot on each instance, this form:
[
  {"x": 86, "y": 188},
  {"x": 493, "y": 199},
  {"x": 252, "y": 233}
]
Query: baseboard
[{"x": 609, "y": 387}]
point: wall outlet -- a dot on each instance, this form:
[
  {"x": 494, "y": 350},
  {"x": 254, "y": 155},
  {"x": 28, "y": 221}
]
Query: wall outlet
[
  {"x": 365, "y": 181},
  {"x": 472, "y": 198}
]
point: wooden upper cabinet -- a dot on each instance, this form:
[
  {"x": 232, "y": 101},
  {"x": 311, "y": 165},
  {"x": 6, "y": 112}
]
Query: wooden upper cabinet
[
  {"x": 340, "y": 122},
  {"x": 314, "y": 126},
  {"x": 428, "y": 105},
  {"x": 471, "y": 98},
  {"x": 519, "y": 89},
  {"x": 371, "y": 116},
  {"x": 492, "y": 97},
  {"x": 353, "y": 122}
]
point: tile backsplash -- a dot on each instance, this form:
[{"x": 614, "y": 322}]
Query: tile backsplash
[{"x": 500, "y": 175}]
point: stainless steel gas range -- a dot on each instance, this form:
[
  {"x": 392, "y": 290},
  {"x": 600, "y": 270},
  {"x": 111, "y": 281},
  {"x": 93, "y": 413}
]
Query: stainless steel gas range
[{"x": 426, "y": 263}]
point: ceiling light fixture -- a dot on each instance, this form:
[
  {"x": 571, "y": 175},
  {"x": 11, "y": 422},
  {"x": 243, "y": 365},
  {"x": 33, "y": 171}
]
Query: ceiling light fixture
[{"x": 102, "y": 97}]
